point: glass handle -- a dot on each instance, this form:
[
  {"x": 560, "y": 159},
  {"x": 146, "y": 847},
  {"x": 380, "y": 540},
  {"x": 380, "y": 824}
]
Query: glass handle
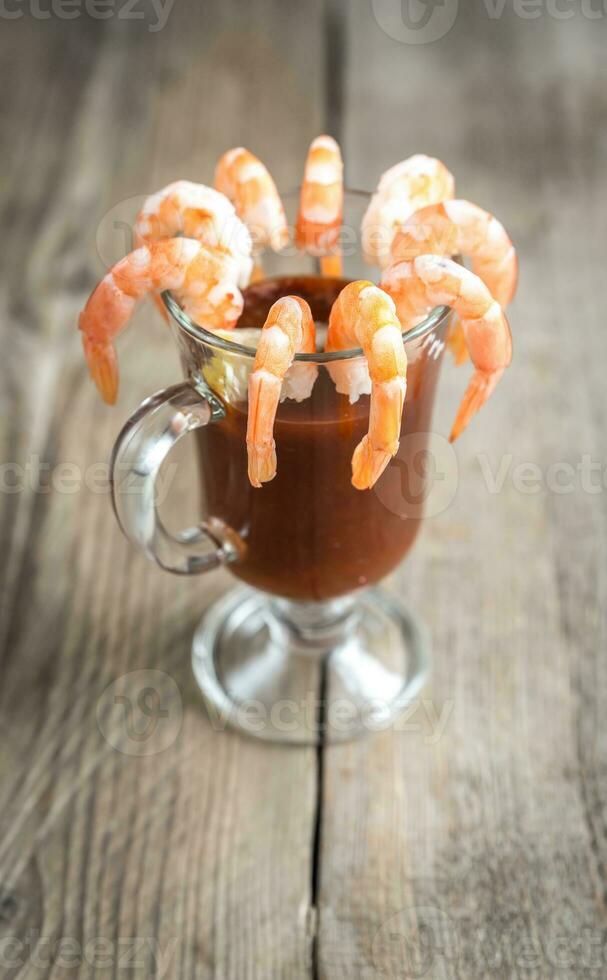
[{"x": 144, "y": 442}]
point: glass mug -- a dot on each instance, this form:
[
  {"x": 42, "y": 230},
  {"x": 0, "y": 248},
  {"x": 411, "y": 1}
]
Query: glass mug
[{"x": 304, "y": 650}]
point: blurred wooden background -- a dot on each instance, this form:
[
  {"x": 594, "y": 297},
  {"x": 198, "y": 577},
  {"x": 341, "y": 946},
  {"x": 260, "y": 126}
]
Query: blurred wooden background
[{"x": 472, "y": 845}]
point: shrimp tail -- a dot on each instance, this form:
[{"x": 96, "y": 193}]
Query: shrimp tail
[
  {"x": 376, "y": 449},
  {"x": 103, "y": 367},
  {"x": 481, "y": 386},
  {"x": 365, "y": 314},
  {"x": 264, "y": 395},
  {"x": 331, "y": 266},
  {"x": 289, "y": 329},
  {"x": 201, "y": 278},
  {"x": 262, "y": 464},
  {"x": 368, "y": 464}
]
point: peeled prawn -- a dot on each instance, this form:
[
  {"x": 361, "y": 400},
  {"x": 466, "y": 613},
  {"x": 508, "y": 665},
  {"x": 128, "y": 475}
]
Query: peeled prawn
[
  {"x": 202, "y": 279},
  {"x": 289, "y": 330},
  {"x": 321, "y": 204},
  {"x": 365, "y": 316},
  {"x": 405, "y": 187},
  {"x": 459, "y": 227},
  {"x": 200, "y": 212},
  {"x": 431, "y": 280},
  {"x": 244, "y": 179}
]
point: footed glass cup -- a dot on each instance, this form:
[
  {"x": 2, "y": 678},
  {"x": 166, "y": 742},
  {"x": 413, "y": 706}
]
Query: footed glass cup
[{"x": 304, "y": 649}]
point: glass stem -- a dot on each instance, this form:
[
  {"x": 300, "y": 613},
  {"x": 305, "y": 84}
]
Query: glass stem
[{"x": 312, "y": 628}]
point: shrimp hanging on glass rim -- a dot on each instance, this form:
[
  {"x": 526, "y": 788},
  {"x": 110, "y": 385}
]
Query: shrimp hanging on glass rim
[
  {"x": 199, "y": 212},
  {"x": 246, "y": 181},
  {"x": 203, "y": 281},
  {"x": 289, "y": 330},
  {"x": 321, "y": 205},
  {"x": 363, "y": 315},
  {"x": 460, "y": 227},
  {"x": 428, "y": 281},
  {"x": 411, "y": 184}
]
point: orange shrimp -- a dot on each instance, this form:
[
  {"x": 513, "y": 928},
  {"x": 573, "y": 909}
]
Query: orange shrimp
[
  {"x": 202, "y": 279},
  {"x": 431, "y": 280},
  {"x": 289, "y": 329},
  {"x": 244, "y": 179},
  {"x": 365, "y": 316},
  {"x": 321, "y": 204},
  {"x": 200, "y": 212},
  {"x": 411, "y": 184},
  {"x": 459, "y": 227}
]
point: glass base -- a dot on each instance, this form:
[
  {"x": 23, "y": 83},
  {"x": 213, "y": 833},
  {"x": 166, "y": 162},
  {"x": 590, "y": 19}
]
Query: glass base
[{"x": 308, "y": 673}]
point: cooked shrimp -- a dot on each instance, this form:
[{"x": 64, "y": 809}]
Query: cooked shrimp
[
  {"x": 459, "y": 227},
  {"x": 409, "y": 185},
  {"x": 321, "y": 204},
  {"x": 199, "y": 212},
  {"x": 247, "y": 183},
  {"x": 431, "y": 280},
  {"x": 289, "y": 330},
  {"x": 202, "y": 279},
  {"x": 365, "y": 316},
  {"x": 453, "y": 227}
]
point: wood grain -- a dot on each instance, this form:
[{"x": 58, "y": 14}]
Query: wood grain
[
  {"x": 472, "y": 843},
  {"x": 201, "y": 849},
  {"x": 482, "y": 852}
]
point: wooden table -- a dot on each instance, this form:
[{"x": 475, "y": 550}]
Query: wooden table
[{"x": 473, "y": 844}]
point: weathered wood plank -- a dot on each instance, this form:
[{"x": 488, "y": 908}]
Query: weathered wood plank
[
  {"x": 491, "y": 835},
  {"x": 202, "y": 847},
  {"x": 481, "y": 851}
]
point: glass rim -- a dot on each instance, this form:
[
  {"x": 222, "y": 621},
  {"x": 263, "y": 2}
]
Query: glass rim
[{"x": 429, "y": 323}]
